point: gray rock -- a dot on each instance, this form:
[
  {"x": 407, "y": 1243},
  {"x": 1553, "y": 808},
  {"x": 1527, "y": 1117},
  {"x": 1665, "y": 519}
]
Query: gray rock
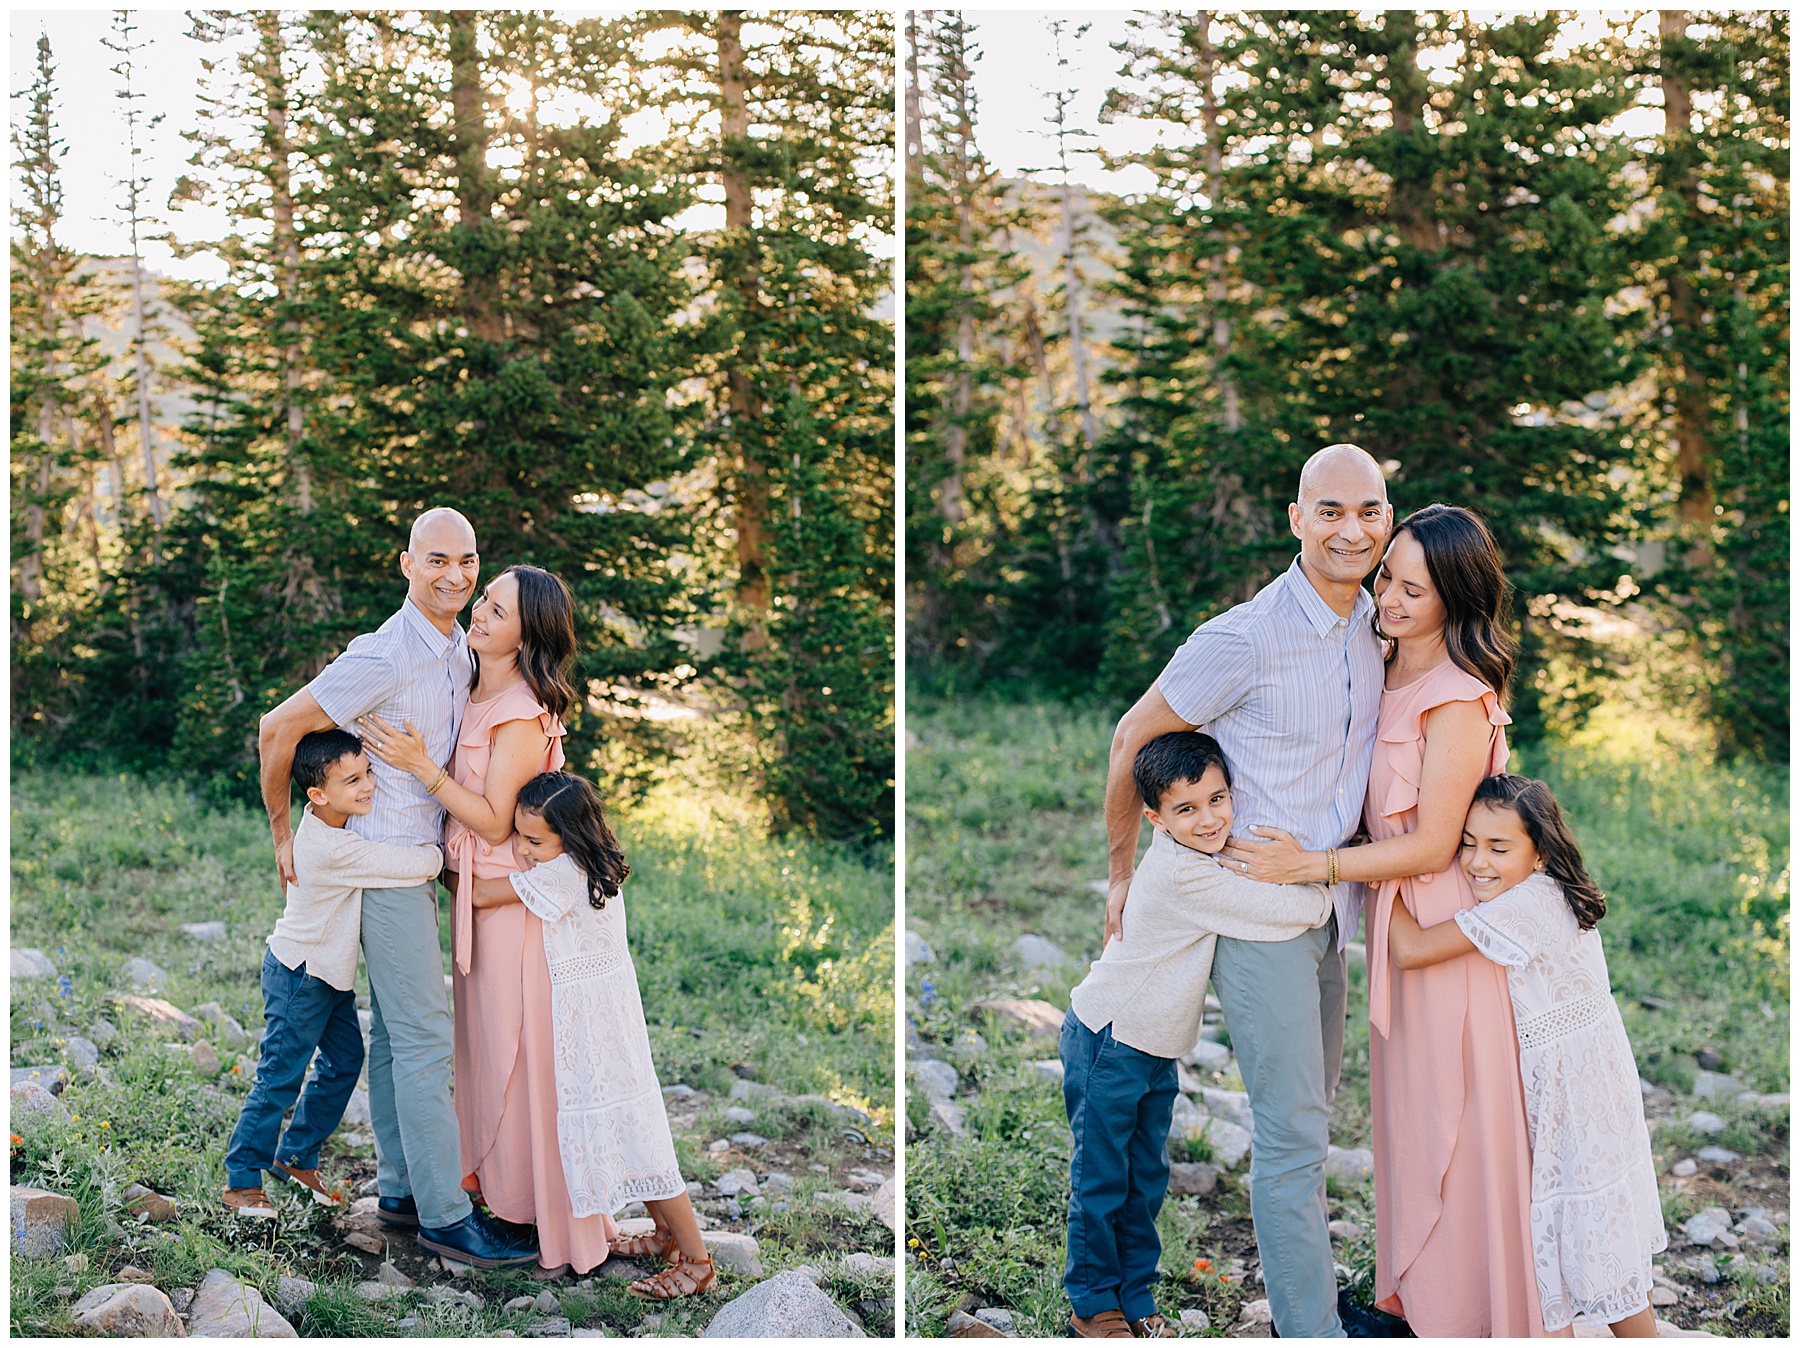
[
  {"x": 225, "y": 1308},
  {"x": 127, "y": 1310},
  {"x": 1664, "y": 1296},
  {"x": 1342, "y": 1230},
  {"x": 41, "y": 1220},
  {"x": 1718, "y": 1155},
  {"x": 1708, "y": 1228},
  {"x": 677, "y": 1091},
  {"x": 51, "y": 1078},
  {"x": 752, "y": 1090},
  {"x": 379, "y": 1291},
  {"x": 159, "y": 1012},
  {"x": 1195, "y": 1322},
  {"x": 735, "y": 1182},
  {"x": 1256, "y": 1313},
  {"x": 590, "y": 1332},
  {"x": 1702, "y": 1121},
  {"x": 937, "y": 1080},
  {"x": 962, "y": 1325},
  {"x": 882, "y": 1202},
  {"x": 718, "y": 1144},
  {"x": 392, "y": 1276},
  {"x": 208, "y": 932},
  {"x": 812, "y": 1273},
  {"x": 1233, "y": 1105},
  {"x": 1207, "y": 1056},
  {"x": 519, "y": 1304},
  {"x": 966, "y": 1048},
  {"x": 142, "y": 1201},
  {"x": 292, "y": 1294},
  {"x": 225, "y": 1028},
  {"x": 695, "y": 1189},
  {"x": 204, "y": 1057},
  {"x": 1768, "y": 1273},
  {"x": 997, "y": 1316},
  {"x": 33, "y": 1106},
  {"x": 356, "y": 1112},
  {"x": 30, "y": 963},
  {"x": 1685, "y": 1167},
  {"x": 452, "y": 1296},
  {"x": 778, "y": 1181},
  {"x": 1230, "y": 1143},
  {"x": 103, "y": 1032},
  {"x": 545, "y": 1303},
  {"x": 1192, "y": 1177},
  {"x": 557, "y": 1328},
  {"x": 1758, "y": 1231},
  {"x": 735, "y": 1252},
  {"x": 862, "y": 1265},
  {"x": 1716, "y": 1085},
  {"x": 1708, "y": 1271},
  {"x": 1349, "y": 1166},
  {"x": 1049, "y": 1069},
  {"x": 739, "y": 1114},
  {"x": 83, "y": 1053},
  {"x": 786, "y": 1306},
  {"x": 1035, "y": 952},
  {"x": 406, "y": 1324},
  {"x": 1186, "y": 1119},
  {"x": 917, "y": 952},
  {"x": 182, "y": 1299},
  {"x": 143, "y": 975},
  {"x": 951, "y": 1117},
  {"x": 842, "y": 1200}
]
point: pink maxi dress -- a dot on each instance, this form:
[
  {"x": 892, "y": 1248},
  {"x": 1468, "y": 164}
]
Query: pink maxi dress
[
  {"x": 505, "y": 1054},
  {"x": 1453, "y": 1251}
]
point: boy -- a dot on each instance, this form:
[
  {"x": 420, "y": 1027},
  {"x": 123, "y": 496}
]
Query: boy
[
  {"x": 309, "y": 976},
  {"x": 1136, "y": 1012}
]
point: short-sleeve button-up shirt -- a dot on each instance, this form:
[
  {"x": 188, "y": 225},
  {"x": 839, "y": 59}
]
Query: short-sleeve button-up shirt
[
  {"x": 1291, "y": 691},
  {"x": 405, "y": 670}
]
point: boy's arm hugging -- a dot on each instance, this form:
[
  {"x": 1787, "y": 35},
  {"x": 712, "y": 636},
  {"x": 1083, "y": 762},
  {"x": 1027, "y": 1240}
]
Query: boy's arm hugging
[{"x": 277, "y": 734}]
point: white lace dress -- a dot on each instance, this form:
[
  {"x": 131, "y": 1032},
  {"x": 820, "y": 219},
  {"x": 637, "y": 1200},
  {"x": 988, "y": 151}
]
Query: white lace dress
[
  {"x": 1595, "y": 1214},
  {"x": 610, "y": 1124}
]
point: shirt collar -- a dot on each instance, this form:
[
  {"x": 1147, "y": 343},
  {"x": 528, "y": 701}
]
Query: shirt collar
[
  {"x": 1320, "y": 616},
  {"x": 423, "y": 628}
]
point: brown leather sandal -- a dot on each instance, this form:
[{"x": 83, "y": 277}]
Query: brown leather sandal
[
  {"x": 660, "y": 1244},
  {"x": 668, "y": 1285}
]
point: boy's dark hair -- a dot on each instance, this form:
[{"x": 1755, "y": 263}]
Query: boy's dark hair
[
  {"x": 316, "y": 752},
  {"x": 1179, "y": 756},
  {"x": 1536, "y": 807},
  {"x": 571, "y": 807}
]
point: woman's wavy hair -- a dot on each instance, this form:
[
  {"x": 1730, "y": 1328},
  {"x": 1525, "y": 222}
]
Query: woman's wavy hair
[
  {"x": 1465, "y": 571},
  {"x": 1536, "y": 807},
  {"x": 570, "y": 807},
  {"x": 546, "y": 637}
]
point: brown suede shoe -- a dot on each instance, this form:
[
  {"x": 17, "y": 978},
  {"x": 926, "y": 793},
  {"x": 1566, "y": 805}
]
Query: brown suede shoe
[
  {"x": 248, "y": 1203},
  {"x": 1106, "y": 1325},
  {"x": 310, "y": 1181},
  {"x": 1154, "y": 1327}
]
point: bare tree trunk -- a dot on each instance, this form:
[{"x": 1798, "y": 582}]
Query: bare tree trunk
[
  {"x": 1694, "y": 507},
  {"x": 1072, "y": 274},
  {"x": 962, "y": 397},
  {"x": 103, "y": 419},
  {"x": 1215, "y": 191},
  {"x": 146, "y": 430},
  {"x": 915, "y": 131},
  {"x": 286, "y": 248},
  {"x": 744, "y": 403}
]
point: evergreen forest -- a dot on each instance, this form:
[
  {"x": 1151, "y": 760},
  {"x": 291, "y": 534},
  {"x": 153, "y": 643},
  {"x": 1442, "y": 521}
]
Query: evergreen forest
[
  {"x": 615, "y": 287},
  {"x": 1536, "y": 264}
]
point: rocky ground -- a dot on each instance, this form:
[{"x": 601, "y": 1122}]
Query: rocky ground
[
  {"x": 983, "y": 1078},
  {"x": 796, "y": 1195}
]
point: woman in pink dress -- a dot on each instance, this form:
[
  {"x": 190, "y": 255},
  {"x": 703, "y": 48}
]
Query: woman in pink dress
[
  {"x": 1453, "y": 1251},
  {"x": 521, "y": 634}
]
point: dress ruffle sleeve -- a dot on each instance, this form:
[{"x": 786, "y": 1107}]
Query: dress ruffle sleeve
[
  {"x": 551, "y": 890},
  {"x": 1515, "y": 928}
]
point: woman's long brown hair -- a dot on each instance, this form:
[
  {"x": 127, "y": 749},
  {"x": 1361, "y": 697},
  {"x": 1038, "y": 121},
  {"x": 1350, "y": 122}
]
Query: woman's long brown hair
[
  {"x": 1465, "y": 571},
  {"x": 1536, "y": 807},
  {"x": 546, "y": 637}
]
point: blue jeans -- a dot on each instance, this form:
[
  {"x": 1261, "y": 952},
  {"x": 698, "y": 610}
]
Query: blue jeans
[
  {"x": 1120, "y": 1101},
  {"x": 301, "y": 1013}
]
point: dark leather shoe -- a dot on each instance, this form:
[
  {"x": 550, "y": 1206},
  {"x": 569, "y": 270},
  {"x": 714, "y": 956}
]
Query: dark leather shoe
[
  {"x": 478, "y": 1241},
  {"x": 398, "y": 1211},
  {"x": 1365, "y": 1322}
]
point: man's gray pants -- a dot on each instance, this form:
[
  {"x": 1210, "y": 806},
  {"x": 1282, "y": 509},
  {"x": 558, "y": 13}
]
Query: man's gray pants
[
  {"x": 1284, "y": 1005},
  {"x": 412, "y": 1046}
]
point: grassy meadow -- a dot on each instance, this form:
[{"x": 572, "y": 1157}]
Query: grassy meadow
[
  {"x": 758, "y": 957},
  {"x": 1004, "y": 837}
]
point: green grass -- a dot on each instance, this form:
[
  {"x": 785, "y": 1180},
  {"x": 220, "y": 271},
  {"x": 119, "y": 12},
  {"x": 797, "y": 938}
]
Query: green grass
[
  {"x": 755, "y": 955},
  {"x": 1004, "y": 837}
]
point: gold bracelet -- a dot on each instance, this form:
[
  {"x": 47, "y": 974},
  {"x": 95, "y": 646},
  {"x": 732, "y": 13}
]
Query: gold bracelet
[
  {"x": 432, "y": 790},
  {"x": 1331, "y": 866}
]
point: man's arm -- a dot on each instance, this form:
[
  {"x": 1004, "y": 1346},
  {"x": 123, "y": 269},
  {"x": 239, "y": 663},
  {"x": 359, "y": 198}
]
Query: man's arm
[
  {"x": 277, "y": 734},
  {"x": 1150, "y": 717}
]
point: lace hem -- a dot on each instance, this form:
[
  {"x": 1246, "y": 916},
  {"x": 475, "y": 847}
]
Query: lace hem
[
  {"x": 1562, "y": 1020},
  {"x": 1610, "y": 1306}
]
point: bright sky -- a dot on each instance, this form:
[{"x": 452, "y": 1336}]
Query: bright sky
[{"x": 1018, "y": 71}]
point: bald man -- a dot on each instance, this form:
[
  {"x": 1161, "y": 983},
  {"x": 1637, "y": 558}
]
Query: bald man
[
  {"x": 1289, "y": 684},
  {"x": 415, "y": 667}
]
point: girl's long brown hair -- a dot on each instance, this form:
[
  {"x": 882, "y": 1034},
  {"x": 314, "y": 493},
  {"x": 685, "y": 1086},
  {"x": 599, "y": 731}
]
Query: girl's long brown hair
[
  {"x": 571, "y": 807},
  {"x": 1465, "y": 571},
  {"x": 1536, "y": 807},
  {"x": 546, "y": 637}
]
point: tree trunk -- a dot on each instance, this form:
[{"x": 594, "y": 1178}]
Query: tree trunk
[
  {"x": 1691, "y": 401},
  {"x": 1215, "y": 191},
  {"x": 474, "y": 187},
  {"x": 103, "y": 419},
  {"x": 962, "y": 397},
  {"x": 750, "y": 492},
  {"x": 1409, "y": 94},
  {"x": 286, "y": 250},
  {"x": 915, "y": 131}
]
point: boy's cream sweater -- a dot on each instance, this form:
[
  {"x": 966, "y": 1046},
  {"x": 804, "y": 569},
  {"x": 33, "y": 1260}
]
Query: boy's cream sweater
[
  {"x": 1150, "y": 983},
  {"x": 322, "y": 923}
]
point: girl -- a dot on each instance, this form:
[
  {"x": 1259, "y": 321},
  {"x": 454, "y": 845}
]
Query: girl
[
  {"x": 1595, "y": 1216},
  {"x": 612, "y": 1133}
]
